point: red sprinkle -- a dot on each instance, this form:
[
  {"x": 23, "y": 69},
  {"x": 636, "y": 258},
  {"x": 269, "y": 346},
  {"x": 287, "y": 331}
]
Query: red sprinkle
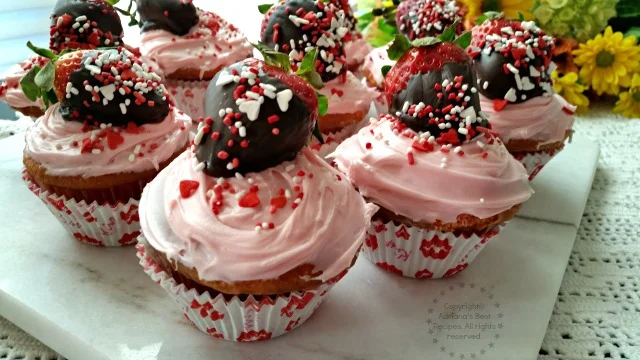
[{"x": 188, "y": 187}]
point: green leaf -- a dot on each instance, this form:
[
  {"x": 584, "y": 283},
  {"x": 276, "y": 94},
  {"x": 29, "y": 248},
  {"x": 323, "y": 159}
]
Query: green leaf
[
  {"x": 628, "y": 8},
  {"x": 274, "y": 58},
  {"x": 364, "y": 20},
  {"x": 428, "y": 41},
  {"x": 42, "y": 52},
  {"x": 520, "y": 16},
  {"x": 464, "y": 40},
  {"x": 113, "y": 2},
  {"x": 399, "y": 46},
  {"x": 44, "y": 78},
  {"x": 323, "y": 104},
  {"x": 28, "y": 84},
  {"x": 489, "y": 15},
  {"x": 308, "y": 62},
  {"x": 385, "y": 70},
  {"x": 50, "y": 97},
  {"x": 634, "y": 31},
  {"x": 314, "y": 79},
  {"x": 449, "y": 33},
  {"x": 264, "y": 8}
]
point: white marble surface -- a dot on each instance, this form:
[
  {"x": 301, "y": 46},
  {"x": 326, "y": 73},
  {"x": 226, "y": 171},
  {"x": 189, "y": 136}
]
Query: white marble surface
[{"x": 93, "y": 303}]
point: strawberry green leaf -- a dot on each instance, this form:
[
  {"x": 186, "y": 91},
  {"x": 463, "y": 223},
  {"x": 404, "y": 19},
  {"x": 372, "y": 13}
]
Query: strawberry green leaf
[
  {"x": 50, "y": 97},
  {"x": 264, "y": 8},
  {"x": 428, "y": 41},
  {"x": 520, "y": 16},
  {"x": 42, "y": 52},
  {"x": 44, "y": 78},
  {"x": 489, "y": 15},
  {"x": 399, "y": 46},
  {"x": 28, "y": 84},
  {"x": 385, "y": 70},
  {"x": 464, "y": 40},
  {"x": 449, "y": 34},
  {"x": 323, "y": 104},
  {"x": 274, "y": 58},
  {"x": 308, "y": 62},
  {"x": 113, "y": 2}
]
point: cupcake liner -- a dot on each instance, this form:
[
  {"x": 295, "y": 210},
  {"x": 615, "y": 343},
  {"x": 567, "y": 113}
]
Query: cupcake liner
[
  {"x": 231, "y": 317},
  {"x": 189, "y": 96},
  {"x": 100, "y": 225},
  {"x": 533, "y": 162},
  {"x": 420, "y": 253}
]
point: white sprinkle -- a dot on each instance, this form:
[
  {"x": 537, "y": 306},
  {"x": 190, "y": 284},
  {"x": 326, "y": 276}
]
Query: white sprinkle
[
  {"x": 511, "y": 95},
  {"x": 480, "y": 144},
  {"x": 250, "y": 181},
  {"x": 123, "y": 109},
  {"x": 265, "y": 225},
  {"x": 258, "y": 228},
  {"x": 210, "y": 193},
  {"x": 485, "y": 85},
  {"x": 96, "y": 151},
  {"x": 463, "y": 131},
  {"x": 200, "y": 166},
  {"x": 482, "y": 200},
  {"x": 242, "y": 131},
  {"x": 239, "y": 176},
  {"x": 289, "y": 168},
  {"x": 443, "y": 165},
  {"x": 220, "y": 181},
  {"x": 229, "y": 166},
  {"x": 457, "y": 149},
  {"x": 221, "y": 113},
  {"x": 512, "y": 68},
  {"x": 287, "y": 194},
  {"x": 297, "y": 179}
]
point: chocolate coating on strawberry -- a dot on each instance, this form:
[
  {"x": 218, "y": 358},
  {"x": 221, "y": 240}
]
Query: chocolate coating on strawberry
[
  {"x": 174, "y": 16},
  {"x": 109, "y": 87},
  {"x": 431, "y": 90},
  {"x": 257, "y": 116},
  {"x": 295, "y": 26},
  {"x": 84, "y": 24},
  {"x": 422, "y": 18},
  {"x": 512, "y": 60}
]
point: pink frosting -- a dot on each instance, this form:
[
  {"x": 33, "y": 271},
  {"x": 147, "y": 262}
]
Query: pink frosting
[
  {"x": 377, "y": 162},
  {"x": 356, "y": 49},
  {"x": 205, "y": 47},
  {"x": 544, "y": 118},
  {"x": 374, "y": 62},
  {"x": 57, "y": 145},
  {"x": 325, "y": 228},
  {"x": 349, "y": 96},
  {"x": 11, "y": 92}
]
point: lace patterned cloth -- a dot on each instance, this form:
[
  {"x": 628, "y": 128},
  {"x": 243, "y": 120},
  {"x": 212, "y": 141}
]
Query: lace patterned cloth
[{"x": 597, "y": 313}]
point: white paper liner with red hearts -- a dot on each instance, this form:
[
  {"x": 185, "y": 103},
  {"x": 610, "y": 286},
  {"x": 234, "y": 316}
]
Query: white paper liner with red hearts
[
  {"x": 235, "y": 319},
  {"x": 533, "y": 162},
  {"x": 419, "y": 253},
  {"x": 93, "y": 224},
  {"x": 189, "y": 96}
]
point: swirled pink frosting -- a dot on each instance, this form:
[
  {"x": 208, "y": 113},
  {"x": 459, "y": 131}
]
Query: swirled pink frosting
[
  {"x": 350, "y": 96},
  {"x": 324, "y": 227},
  {"x": 11, "y": 92},
  {"x": 376, "y": 161},
  {"x": 544, "y": 118},
  {"x": 211, "y": 44},
  {"x": 57, "y": 144},
  {"x": 356, "y": 49},
  {"x": 374, "y": 62}
]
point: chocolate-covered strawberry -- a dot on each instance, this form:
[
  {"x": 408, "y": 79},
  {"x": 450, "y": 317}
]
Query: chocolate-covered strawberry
[
  {"x": 109, "y": 86},
  {"x": 174, "y": 16},
  {"x": 257, "y": 116},
  {"x": 294, "y": 27},
  {"x": 431, "y": 89},
  {"x": 512, "y": 60},
  {"x": 84, "y": 24},
  {"x": 418, "y": 19}
]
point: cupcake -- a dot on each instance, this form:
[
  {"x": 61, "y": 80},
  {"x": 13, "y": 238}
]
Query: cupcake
[
  {"x": 444, "y": 183},
  {"x": 298, "y": 22},
  {"x": 90, "y": 155},
  {"x": 416, "y": 19},
  {"x": 187, "y": 46},
  {"x": 249, "y": 229},
  {"x": 11, "y": 92},
  {"x": 513, "y": 64},
  {"x": 356, "y": 47},
  {"x": 75, "y": 24}
]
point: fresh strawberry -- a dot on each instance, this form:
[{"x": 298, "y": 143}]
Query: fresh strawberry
[
  {"x": 64, "y": 67},
  {"x": 489, "y": 26},
  {"x": 421, "y": 60}
]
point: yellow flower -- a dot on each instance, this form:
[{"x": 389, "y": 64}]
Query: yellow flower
[
  {"x": 629, "y": 102},
  {"x": 607, "y": 61},
  {"x": 475, "y": 8},
  {"x": 571, "y": 90}
]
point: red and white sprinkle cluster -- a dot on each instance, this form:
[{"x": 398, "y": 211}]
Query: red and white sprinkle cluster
[
  {"x": 428, "y": 17},
  {"x": 520, "y": 43},
  {"x": 249, "y": 96},
  {"x": 324, "y": 30},
  {"x": 457, "y": 117},
  {"x": 80, "y": 33},
  {"x": 422, "y": 142},
  {"x": 117, "y": 71}
]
